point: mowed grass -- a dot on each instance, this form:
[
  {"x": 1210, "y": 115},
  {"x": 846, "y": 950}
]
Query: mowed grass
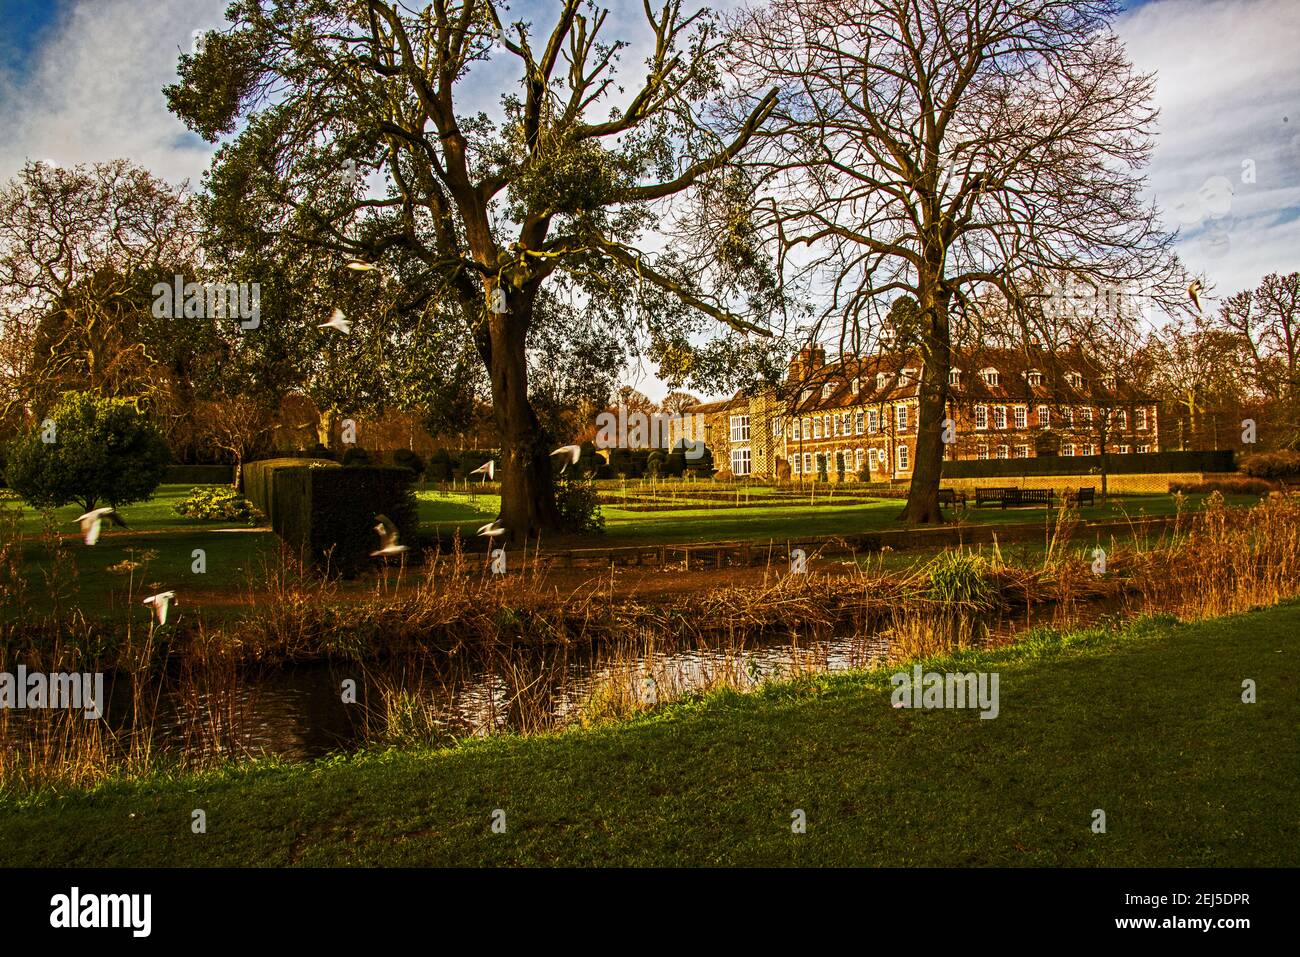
[
  {"x": 1145, "y": 723},
  {"x": 793, "y": 519},
  {"x": 158, "y": 537}
]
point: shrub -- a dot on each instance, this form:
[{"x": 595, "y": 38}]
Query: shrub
[
  {"x": 578, "y": 503},
  {"x": 328, "y": 514},
  {"x": 439, "y": 467},
  {"x": 257, "y": 480},
  {"x": 1229, "y": 486},
  {"x": 1272, "y": 465},
  {"x": 654, "y": 464},
  {"x": 409, "y": 459},
  {"x": 104, "y": 450},
  {"x": 355, "y": 455},
  {"x": 220, "y": 502}
]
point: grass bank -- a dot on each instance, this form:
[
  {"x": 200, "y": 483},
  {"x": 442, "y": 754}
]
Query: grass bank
[{"x": 1145, "y": 722}]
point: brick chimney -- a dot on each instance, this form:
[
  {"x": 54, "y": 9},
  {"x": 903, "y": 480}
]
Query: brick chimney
[{"x": 808, "y": 361}]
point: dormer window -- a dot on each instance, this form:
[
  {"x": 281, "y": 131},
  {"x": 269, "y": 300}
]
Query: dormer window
[
  {"x": 1075, "y": 380},
  {"x": 880, "y": 381},
  {"x": 1109, "y": 383},
  {"x": 856, "y": 385},
  {"x": 954, "y": 377},
  {"x": 827, "y": 389},
  {"x": 990, "y": 376},
  {"x": 909, "y": 375},
  {"x": 1034, "y": 376},
  {"x": 803, "y": 396}
]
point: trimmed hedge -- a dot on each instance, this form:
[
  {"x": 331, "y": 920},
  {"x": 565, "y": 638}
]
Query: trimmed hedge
[
  {"x": 257, "y": 479},
  {"x": 198, "y": 475},
  {"x": 1138, "y": 464},
  {"x": 1272, "y": 465},
  {"x": 328, "y": 514}
]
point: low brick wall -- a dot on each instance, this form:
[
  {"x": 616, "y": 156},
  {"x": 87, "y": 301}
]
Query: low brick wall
[{"x": 1116, "y": 484}]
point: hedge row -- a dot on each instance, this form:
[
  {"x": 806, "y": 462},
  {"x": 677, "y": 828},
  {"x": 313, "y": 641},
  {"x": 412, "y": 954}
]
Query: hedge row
[
  {"x": 328, "y": 514},
  {"x": 198, "y": 475},
  {"x": 257, "y": 480},
  {"x": 1141, "y": 464}
]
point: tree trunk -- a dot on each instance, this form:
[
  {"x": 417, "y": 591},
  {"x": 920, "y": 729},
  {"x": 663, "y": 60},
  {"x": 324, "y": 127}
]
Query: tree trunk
[
  {"x": 527, "y": 485},
  {"x": 923, "y": 494},
  {"x": 325, "y": 427}
]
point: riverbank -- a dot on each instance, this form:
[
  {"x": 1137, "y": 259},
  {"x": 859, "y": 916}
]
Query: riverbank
[{"x": 1145, "y": 722}]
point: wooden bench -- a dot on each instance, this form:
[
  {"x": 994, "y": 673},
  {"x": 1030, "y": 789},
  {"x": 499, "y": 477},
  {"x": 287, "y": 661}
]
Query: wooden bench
[
  {"x": 1082, "y": 496},
  {"x": 951, "y": 497},
  {"x": 1014, "y": 497}
]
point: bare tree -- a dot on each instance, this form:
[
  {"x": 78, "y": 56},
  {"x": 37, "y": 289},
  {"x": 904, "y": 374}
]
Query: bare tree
[
  {"x": 1267, "y": 322},
  {"x": 237, "y": 425},
  {"x": 943, "y": 149}
]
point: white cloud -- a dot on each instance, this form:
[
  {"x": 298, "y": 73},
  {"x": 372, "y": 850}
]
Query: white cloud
[
  {"x": 1228, "y": 75},
  {"x": 93, "y": 91}
]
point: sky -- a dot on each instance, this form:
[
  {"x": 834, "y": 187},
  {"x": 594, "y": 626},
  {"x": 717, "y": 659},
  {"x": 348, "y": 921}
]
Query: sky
[{"x": 81, "y": 81}]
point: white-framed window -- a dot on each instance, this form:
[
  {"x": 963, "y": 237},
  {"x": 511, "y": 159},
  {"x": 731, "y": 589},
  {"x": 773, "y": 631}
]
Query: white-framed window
[
  {"x": 880, "y": 381},
  {"x": 1086, "y": 414},
  {"x": 871, "y": 460},
  {"x": 835, "y": 425},
  {"x": 858, "y": 418},
  {"x": 817, "y": 427},
  {"x": 900, "y": 413},
  {"x": 740, "y": 461},
  {"x": 1067, "y": 416},
  {"x": 794, "y": 465},
  {"x": 739, "y": 429},
  {"x": 1067, "y": 449},
  {"x": 981, "y": 417},
  {"x": 777, "y": 427},
  {"x": 1143, "y": 449},
  {"x": 827, "y": 389},
  {"x": 999, "y": 417},
  {"x": 846, "y": 423},
  {"x": 857, "y": 460},
  {"x": 1022, "y": 417},
  {"x": 857, "y": 385},
  {"x": 990, "y": 376},
  {"x": 1075, "y": 379},
  {"x": 795, "y": 432},
  {"x": 954, "y": 377},
  {"x": 807, "y": 429},
  {"x": 1125, "y": 449},
  {"x": 826, "y": 426},
  {"x": 1141, "y": 418},
  {"x": 901, "y": 453},
  {"x": 1121, "y": 420},
  {"x": 1044, "y": 417},
  {"x": 807, "y": 462},
  {"x": 873, "y": 421},
  {"x": 1035, "y": 377},
  {"x": 909, "y": 375},
  {"x": 1004, "y": 452},
  {"x": 1022, "y": 451},
  {"x": 982, "y": 453}
]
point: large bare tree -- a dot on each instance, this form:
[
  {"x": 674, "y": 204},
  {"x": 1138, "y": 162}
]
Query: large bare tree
[
  {"x": 943, "y": 149},
  {"x": 515, "y": 169}
]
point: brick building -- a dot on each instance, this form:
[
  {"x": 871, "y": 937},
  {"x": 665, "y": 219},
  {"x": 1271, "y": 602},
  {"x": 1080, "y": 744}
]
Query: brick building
[{"x": 859, "y": 414}]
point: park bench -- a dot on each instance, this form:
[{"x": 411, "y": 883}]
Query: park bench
[
  {"x": 951, "y": 497},
  {"x": 1014, "y": 497},
  {"x": 1082, "y": 496}
]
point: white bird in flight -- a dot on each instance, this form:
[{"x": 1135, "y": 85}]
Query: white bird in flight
[
  {"x": 337, "y": 321},
  {"x": 492, "y": 530},
  {"x": 488, "y": 470},
  {"x": 1194, "y": 291},
  {"x": 360, "y": 265},
  {"x": 161, "y": 603},
  {"x": 574, "y": 452},
  {"x": 93, "y": 522},
  {"x": 387, "y": 532}
]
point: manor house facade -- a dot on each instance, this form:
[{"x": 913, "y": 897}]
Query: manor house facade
[{"x": 857, "y": 417}]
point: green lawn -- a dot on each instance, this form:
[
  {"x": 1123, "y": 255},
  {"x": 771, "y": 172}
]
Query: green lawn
[
  {"x": 793, "y": 519},
  {"x": 1146, "y": 724}
]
